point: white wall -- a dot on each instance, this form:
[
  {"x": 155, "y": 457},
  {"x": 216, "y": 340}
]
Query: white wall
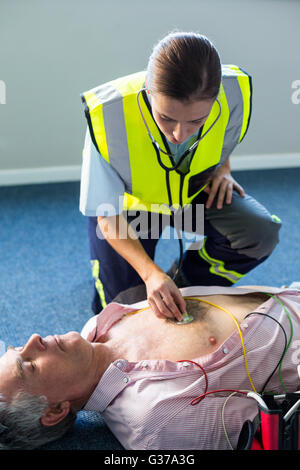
[{"x": 51, "y": 50}]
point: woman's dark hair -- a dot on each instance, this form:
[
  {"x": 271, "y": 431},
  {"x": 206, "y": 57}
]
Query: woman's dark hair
[{"x": 185, "y": 66}]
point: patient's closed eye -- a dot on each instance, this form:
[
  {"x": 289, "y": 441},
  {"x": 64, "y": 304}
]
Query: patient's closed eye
[
  {"x": 32, "y": 365},
  {"x": 29, "y": 362}
]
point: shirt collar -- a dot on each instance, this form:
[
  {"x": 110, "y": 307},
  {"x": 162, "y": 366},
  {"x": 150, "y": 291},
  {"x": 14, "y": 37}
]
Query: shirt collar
[{"x": 112, "y": 382}]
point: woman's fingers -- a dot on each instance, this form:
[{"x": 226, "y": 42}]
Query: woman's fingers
[{"x": 164, "y": 297}]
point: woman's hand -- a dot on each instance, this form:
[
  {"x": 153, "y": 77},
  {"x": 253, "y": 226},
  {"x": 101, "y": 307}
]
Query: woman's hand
[
  {"x": 222, "y": 186},
  {"x": 164, "y": 297}
]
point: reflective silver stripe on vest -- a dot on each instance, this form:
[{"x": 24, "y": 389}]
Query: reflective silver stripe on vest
[
  {"x": 217, "y": 266},
  {"x": 116, "y": 136},
  {"x": 236, "y": 109}
]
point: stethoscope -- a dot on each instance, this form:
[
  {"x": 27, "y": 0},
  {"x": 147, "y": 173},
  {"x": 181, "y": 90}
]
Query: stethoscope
[{"x": 159, "y": 150}]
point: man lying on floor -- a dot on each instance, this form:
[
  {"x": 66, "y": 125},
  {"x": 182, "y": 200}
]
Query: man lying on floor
[{"x": 144, "y": 374}]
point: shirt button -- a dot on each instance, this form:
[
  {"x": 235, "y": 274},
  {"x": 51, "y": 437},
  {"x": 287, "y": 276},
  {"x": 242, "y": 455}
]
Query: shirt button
[
  {"x": 225, "y": 350},
  {"x": 245, "y": 325},
  {"x": 119, "y": 364},
  {"x": 185, "y": 364},
  {"x": 126, "y": 380},
  {"x": 144, "y": 364}
]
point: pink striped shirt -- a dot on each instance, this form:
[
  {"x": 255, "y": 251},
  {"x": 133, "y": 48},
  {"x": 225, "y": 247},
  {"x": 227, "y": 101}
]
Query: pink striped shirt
[{"x": 146, "y": 404}]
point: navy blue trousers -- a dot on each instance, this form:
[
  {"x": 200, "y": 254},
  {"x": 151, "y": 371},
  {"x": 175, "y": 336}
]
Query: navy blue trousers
[{"x": 237, "y": 238}]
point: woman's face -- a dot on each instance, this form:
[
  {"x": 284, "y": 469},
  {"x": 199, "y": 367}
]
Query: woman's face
[{"x": 178, "y": 120}]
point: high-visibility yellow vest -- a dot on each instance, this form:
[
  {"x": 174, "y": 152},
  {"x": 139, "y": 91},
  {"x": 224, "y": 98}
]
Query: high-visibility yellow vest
[{"x": 120, "y": 136}]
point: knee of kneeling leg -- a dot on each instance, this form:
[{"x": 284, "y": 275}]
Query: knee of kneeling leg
[{"x": 266, "y": 235}]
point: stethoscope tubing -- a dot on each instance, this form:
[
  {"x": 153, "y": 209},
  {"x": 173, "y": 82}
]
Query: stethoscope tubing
[
  {"x": 157, "y": 147},
  {"x": 174, "y": 167}
]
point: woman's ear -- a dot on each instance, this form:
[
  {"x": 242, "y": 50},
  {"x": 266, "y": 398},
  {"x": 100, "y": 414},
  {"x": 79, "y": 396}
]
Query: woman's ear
[{"x": 55, "y": 413}]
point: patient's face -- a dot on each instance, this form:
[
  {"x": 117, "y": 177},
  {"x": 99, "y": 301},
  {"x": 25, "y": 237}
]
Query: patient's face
[{"x": 55, "y": 366}]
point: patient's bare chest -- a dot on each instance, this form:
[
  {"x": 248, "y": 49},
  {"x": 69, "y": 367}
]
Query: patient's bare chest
[{"x": 144, "y": 336}]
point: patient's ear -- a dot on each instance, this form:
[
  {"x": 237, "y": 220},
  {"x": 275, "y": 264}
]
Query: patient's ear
[{"x": 55, "y": 413}]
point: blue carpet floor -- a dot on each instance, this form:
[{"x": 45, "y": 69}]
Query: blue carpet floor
[{"x": 45, "y": 279}]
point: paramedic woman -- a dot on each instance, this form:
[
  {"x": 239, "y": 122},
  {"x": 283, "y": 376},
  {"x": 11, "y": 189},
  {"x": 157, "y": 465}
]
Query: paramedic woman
[{"x": 163, "y": 138}]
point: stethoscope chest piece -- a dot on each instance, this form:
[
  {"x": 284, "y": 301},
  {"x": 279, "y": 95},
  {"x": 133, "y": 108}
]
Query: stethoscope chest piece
[{"x": 186, "y": 319}]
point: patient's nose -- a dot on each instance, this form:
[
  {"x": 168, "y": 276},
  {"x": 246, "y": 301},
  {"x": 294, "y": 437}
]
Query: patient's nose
[{"x": 35, "y": 342}]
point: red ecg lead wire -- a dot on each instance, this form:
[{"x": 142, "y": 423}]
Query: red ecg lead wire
[
  {"x": 206, "y": 381},
  {"x": 198, "y": 399}
]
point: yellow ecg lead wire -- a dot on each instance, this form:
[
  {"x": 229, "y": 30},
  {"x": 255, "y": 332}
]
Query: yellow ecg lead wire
[
  {"x": 228, "y": 313},
  {"x": 239, "y": 330}
]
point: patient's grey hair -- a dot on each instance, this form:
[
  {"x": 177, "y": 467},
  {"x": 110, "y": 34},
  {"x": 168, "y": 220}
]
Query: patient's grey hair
[{"x": 20, "y": 423}]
